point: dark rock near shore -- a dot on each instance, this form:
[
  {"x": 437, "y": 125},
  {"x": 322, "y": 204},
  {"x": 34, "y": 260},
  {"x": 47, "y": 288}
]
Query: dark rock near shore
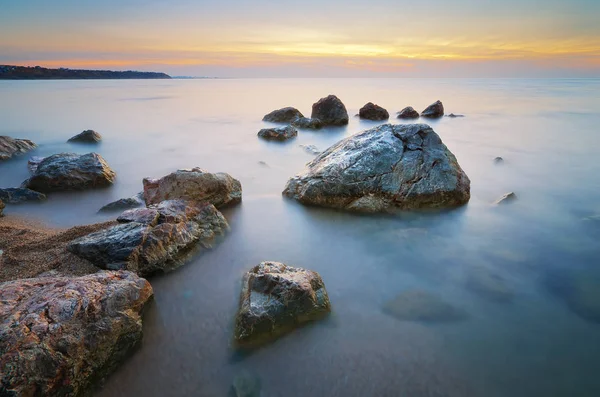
[
  {"x": 87, "y": 136},
  {"x": 283, "y": 115},
  {"x": 279, "y": 133},
  {"x": 416, "y": 305},
  {"x": 124, "y": 203},
  {"x": 506, "y": 198},
  {"x": 381, "y": 169},
  {"x": 59, "y": 335},
  {"x": 331, "y": 111},
  {"x": 10, "y": 147},
  {"x": 307, "y": 124},
  {"x": 275, "y": 299},
  {"x": 433, "y": 111},
  {"x": 152, "y": 239},
  {"x": 408, "y": 113},
  {"x": 219, "y": 189},
  {"x": 15, "y": 195},
  {"x": 70, "y": 171},
  {"x": 373, "y": 112}
]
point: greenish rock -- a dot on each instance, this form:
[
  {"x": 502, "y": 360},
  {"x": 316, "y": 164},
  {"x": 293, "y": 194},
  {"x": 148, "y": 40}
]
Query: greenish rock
[
  {"x": 489, "y": 285},
  {"x": 246, "y": 384},
  {"x": 416, "y": 305}
]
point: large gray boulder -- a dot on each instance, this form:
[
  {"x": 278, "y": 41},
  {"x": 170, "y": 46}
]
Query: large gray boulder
[
  {"x": 275, "y": 299},
  {"x": 153, "y": 239},
  {"x": 87, "y": 136},
  {"x": 70, "y": 171},
  {"x": 330, "y": 110},
  {"x": 278, "y": 133},
  {"x": 433, "y": 111},
  {"x": 58, "y": 335},
  {"x": 373, "y": 112},
  {"x": 381, "y": 169},
  {"x": 15, "y": 195},
  {"x": 283, "y": 115},
  {"x": 12, "y": 147},
  {"x": 219, "y": 189}
]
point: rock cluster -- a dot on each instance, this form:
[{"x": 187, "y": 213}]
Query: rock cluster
[{"x": 15, "y": 195}]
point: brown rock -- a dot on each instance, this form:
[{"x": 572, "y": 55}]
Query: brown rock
[
  {"x": 373, "y": 112},
  {"x": 433, "y": 111},
  {"x": 330, "y": 110},
  {"x": 12, "y": 147},
  {"x": 408, "y": 113}
]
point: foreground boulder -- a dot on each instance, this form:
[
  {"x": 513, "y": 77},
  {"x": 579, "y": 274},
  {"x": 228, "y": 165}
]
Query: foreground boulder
[
  {"x": 70, "y": 171},
  {"x": 433, "y": 111},
  {"x": 12, "y": 147},
  {"x": 124, "y": 203},
  {"x": 219, "y": 189},
  {"x": 279, "y": 133},
  {"x": 58, "y": 335},
  {"x": 373, "y": 112},
  {"x": 87, "y": 136},
  {"x": 330, "y": 110},
  {"x": 408, "y": 113},
  {"x": 307, "y": 124},
  {"x": 15, "y": 195},
  {"x": 381, "y": 169},
  {"x": 275, "y": 299},
  {"x": 152, "y": 239},
  {"x": 283, "y": 115}
]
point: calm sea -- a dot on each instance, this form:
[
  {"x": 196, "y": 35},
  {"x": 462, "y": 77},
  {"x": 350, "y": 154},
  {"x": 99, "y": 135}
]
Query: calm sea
[{"x": 543, "y": 248}]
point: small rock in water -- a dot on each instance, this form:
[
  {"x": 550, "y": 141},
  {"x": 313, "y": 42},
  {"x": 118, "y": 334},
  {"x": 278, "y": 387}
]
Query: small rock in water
[
  {"x": 408, "y": 113},
  {"x": 373, "y": 112},
  {"x": 33, "y": 163},
  {"x": 498, "y": 160},
  {"x": 10, "y": 147},
  {"x": 330, "y": 110},
  {"x": 506, "y": 198},
  {"x": 279, "y": 133},
  {"x": 312, "y": 149},
  {"x": 433, "y": 111},
  {"x": 87, "y": 136},
  {"x": 246, "y": 384},
  {"x": 452, "y": 115},
  {"x": 124, "y": 203},
  {"x": 415, "y": 305},
  {"x": 283, "y": 115},
  {"x": 489, "y": 285},
  {"x": 306, "y": 123},
  {"x": 15, "y": 195},
  {"x": 263, "y": 163}
]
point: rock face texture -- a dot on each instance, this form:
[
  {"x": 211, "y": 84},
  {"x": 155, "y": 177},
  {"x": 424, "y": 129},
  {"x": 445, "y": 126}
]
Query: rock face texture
[
  {"x": 275, "y": 299},
  {"x": 373, "y": 112},
  {"x": 279, "y": 133},
  {"x": 124, "y": 203},
  {"x": 153, "y": 239},
  {"x": 87, "y": 136},
  {"x": 33, "y": 163},
  {"x": 2, "y": 208},
  {"x": 408, "y": 113},
  {"x": 381, "y": 169},
  {"x": 58, "y": 335},
  {"x": 15, "y": 195},
  {"x": 330, "y": 110},
  {"x": 11, "y": 147},
  {"x": 219, "y": 189},
  {"x": 70, "y": 171},
  {"x": 283, "y": 115},
  {"x": 434, "y": 110},
  {"x": 307, "y": 124}
]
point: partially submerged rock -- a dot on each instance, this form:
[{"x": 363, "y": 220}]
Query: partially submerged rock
[
  {"x": 312, "y": 149},
  {"x": 15, "y": 195},
  {"x": 58, "y": 335},
  {"x": 373, "y": 112},
  {"x": 70, "y": 171},
  {"x": 283, "y": 115},
  {"x": 489, "y": 284},
  {"x": 408, "y": 113},
  {"x": 278, "y": 133},
  {"x": 433, "y": 111},
  {"x": 306, "y": 123},
  {"x": 10, "y": 147},
  {"x": 498, "y": 160},
  {"x": 330, "y": 110},
  {"x": 275, "y": 299},
  {"x": 87, "y": 136},
  {"x": 452, "y": 115},
  {"x": 124, "y": 203},
  {"x": 506, "y": 198},
  {"x": 152, "y": 239},
  {"x": 416, "y": 305},
  {"x": 219, "y": 189},
  {"x": 381, "y": 169}
]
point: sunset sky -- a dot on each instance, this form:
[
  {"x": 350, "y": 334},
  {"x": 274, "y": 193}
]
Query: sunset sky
[{"x": 311, "y": 38}]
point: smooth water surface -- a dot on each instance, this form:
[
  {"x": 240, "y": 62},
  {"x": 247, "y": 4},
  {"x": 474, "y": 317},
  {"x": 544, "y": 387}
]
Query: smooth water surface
[{"x": 535, "y": 344}]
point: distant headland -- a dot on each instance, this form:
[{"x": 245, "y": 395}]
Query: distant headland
[{"x": 8, "y": 72}]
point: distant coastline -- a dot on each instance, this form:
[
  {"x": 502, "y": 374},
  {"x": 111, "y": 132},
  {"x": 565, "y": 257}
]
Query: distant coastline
[{"x": 10, "y": 72}]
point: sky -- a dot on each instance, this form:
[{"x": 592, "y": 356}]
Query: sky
[{"x": 309, "y": 38}]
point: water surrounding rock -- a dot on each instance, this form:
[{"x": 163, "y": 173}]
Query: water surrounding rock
[
  {"x": 2, "y": 206},
  {"x": 330, "y": 110},
  {"x": 415, "y": 305},
  {"x": 374, "y": 112},
  {"x": 489, "y": 284},
  {"x": 306, "y": 123},
  {"x": 408, "y": 113},
  {"x": 433, "y": 111},
  {"x": 312, "y": 149},
  {"x": 275, "y": 299},
  {"x": 219, "y": 189},
  {"x": 70, "y": 171},
  {"x": 283, "y": 115},
  {"x": 580, "y": 290},
  {"x": 452, "y": 115},
  {"x": 246, "y": 384},
  {"x": 10, "y": 147},
  {"x": 33, "y": 163},
  {"x": 506, "y": 198},
  {"x": 498, "y": 160},
  {"x": 59, "y": 335},
  {"x": 15, "y": 195},
  {"x": 381, "y": 169},
  {"x": 87, "y": 136},
  {"x": 278, "y": 133},
  {"x": 146, "y": 244},
  {"x": 125, "y": 203}
]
